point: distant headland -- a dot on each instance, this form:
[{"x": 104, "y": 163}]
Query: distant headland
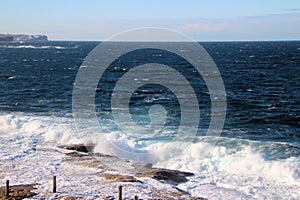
[{"x": 23, "y": 38}]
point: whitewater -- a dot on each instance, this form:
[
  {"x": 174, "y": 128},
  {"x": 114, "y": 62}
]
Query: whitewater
[{"x": 236, "y": 168}]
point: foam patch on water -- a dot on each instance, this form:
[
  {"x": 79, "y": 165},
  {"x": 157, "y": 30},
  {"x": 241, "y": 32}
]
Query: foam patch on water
[{"x": 34, "y": 47}]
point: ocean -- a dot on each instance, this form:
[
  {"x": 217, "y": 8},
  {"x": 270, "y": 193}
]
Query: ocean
[{"x": 257, "y": 155}]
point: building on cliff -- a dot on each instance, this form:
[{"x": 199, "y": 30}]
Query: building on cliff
[
  {"x": 23, "y": 38},
  {"x": 6, "y": 38}
]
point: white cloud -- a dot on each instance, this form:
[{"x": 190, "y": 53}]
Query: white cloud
[{"x": 199, "y": 27}]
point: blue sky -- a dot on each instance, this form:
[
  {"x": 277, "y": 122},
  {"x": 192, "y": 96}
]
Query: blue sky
[{"x": 203, "y": 20}]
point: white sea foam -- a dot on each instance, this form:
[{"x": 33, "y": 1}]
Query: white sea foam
[
  {"x": 234, "y": 168},
  {"x": 34, "y": 47}
]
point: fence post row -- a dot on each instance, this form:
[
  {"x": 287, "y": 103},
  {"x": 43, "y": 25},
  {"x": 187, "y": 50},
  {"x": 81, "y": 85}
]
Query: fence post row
[{"x": 54, "y": 189}]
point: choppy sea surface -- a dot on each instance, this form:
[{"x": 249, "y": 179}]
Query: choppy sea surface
[{"x": 257, "y": 155}]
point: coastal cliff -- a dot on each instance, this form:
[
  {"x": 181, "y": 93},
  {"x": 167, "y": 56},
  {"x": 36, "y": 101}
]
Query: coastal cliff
[{"x": 23, "y": 38}]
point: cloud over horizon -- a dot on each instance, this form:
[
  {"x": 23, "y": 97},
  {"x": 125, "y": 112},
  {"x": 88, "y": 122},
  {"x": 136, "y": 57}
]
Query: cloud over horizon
[
  {"x": 199, "y": 27},
  {"x": 267, "y": 27}
]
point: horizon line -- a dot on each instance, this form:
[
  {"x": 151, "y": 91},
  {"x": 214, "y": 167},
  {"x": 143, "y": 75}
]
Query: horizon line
[{"x": 256, "y": 40}]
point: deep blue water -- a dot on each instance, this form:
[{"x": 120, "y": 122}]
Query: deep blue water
[{"x": 262, "y": 81}]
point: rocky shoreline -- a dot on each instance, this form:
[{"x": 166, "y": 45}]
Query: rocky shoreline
[
  {"x": 132, "y": 172},
  {"x": 109, "y": 172}
]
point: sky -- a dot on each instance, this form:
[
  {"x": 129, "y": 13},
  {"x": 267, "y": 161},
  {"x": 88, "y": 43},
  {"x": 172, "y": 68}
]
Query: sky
[{"x": 203, "y": 20}]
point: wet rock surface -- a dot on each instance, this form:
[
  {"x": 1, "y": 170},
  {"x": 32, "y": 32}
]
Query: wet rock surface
[
  {"x": 119, "y": 178},
  {"x": 17, "y": 192},
  {"x": 107, "y": 162},
  {"x": 166, "y": 174},
  {"x": 78, "y": 147}
]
